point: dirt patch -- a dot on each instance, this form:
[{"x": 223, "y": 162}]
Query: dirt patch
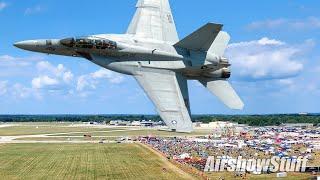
[{"x": 168, "y": 164}]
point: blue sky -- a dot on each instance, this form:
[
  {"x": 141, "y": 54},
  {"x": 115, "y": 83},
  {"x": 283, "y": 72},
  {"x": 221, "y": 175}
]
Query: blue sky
[{"x": 274, "y": 52}]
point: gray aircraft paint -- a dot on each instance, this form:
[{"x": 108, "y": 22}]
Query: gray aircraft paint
[{"x": 152, "y": 53}]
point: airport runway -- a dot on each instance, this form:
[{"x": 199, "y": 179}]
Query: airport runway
[
  {"x": 14, "y": 139},
  {"x": 7, "y": 125}
]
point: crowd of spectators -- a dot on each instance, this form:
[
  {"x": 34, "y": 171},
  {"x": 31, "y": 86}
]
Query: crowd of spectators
[{"x": 195, "y": 153}]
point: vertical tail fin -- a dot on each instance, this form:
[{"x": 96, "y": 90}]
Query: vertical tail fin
[
  {"x": 210, "y": 40},
  {"x": 201, "y": 39},
  {"x": 153, "y": 19}
]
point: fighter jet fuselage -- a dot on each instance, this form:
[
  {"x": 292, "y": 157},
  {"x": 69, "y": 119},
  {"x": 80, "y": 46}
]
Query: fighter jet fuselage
[
  {"x": 127, "y": 55},
  {"x": 161, "y": 63}
]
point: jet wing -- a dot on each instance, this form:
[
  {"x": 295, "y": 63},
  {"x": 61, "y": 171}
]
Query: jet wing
[
  {"x": 153, "y": 19},
  {"x": 169, "y": 93}
]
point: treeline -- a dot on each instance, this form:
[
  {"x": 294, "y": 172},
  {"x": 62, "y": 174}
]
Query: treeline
[
  {"x": 252, "y": 120},
  {"x": 76, "y": 118},
  {"x": 262, "y": 120}
]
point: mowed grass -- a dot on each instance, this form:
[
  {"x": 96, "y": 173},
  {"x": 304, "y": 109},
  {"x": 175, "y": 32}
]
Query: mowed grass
[
  {"x": 82, "y": 161},
  {"x": 47, "y": 129}
]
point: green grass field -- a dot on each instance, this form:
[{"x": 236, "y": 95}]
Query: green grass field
[
  {"x": 83, "y": 161},
  {"x": 46, "y": 129}
]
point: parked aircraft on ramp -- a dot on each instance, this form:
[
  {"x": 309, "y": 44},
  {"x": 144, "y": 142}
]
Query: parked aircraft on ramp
[{"x": 152, "y": 53}]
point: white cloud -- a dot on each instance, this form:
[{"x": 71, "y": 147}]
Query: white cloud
[
  {"x": 297, "y": 24},
  {"x": 7, "y": 61},
  {"x": 101, "y": 74},
  {"x": 44, "y": 76},
  {"x": 287, "y": 82},
  {"x": 18, "y": 66},
  {"x": 267, "y": 41},
  {"x": 85, "y": 81},
  {"x": 58, "y": 72},
  {"x": 3, "y": 87},
  {"x": 45, "y": 66},
  {"x": 90, "y": 81},
  {"x": 109, "y": 75},
  {"x": 265, "y": 59},
  {"x": 3, "y": 5},
  {"x": 49, "y": 79},
  {"x": 67, "y": 77},
  {"x": 262, "y": 42},
  {"x": 19, "y": 91},
  {"x": 34, "y": 10},
  {"x": 43, "y": 82}
]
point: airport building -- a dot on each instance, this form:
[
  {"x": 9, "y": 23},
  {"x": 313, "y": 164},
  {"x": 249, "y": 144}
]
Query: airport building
[
  {"x": 120, "y": 123},
  {"x": 216, "y": 124}
]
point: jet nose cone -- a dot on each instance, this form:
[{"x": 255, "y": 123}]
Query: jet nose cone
[
  {"x": 25, "y": 44},
  {"x": 18, "y": 44}
]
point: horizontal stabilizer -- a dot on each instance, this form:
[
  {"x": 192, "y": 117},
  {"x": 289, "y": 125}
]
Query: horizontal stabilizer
[
  {"x": 224, "y": 91},
  {"x": 202, "y": 39}
]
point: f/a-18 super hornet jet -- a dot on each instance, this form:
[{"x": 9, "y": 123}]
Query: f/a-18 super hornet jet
[{"x": 152, "y": 53}]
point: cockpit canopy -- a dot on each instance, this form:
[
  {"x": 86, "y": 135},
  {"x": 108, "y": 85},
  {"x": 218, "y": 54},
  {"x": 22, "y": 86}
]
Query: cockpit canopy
[{"x": 86, "y": 43}]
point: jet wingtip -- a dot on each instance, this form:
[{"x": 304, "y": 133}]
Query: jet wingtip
[
  {"x": 184, "y": 129},
  {"x": 240, "y": 106}
]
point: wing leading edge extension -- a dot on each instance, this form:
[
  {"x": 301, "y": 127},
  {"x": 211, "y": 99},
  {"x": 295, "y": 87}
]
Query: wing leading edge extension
[
  {"x": 169, "y": 93},
  {"x": 154, "y": 20}
]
